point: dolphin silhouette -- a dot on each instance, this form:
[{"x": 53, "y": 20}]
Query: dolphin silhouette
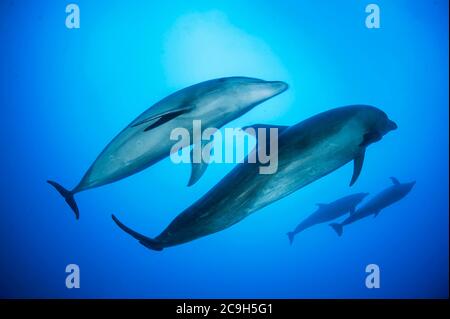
[
  {"x": 147, "y": 139},
  {"x": 328, "y": 212},
  {"x": 307, "y": 151},
  {"x": 382, "y": 200}
]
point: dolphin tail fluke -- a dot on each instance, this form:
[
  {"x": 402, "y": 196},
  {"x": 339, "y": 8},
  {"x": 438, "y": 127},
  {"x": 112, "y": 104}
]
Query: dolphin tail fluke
[
  {"x": 68, "y": 196},
  {"x": 291, "y": 236},
  {"x": 338, "y": 228},
  {"x": 145, "y": 241}
]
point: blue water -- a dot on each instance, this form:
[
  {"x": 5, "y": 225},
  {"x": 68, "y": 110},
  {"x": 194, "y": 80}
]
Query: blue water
[{"x": 65, "y": 93}]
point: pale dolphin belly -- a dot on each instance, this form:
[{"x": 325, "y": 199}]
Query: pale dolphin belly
[
  {"x": 134, "y": 150},
  {"x": 130, "y": 152}
]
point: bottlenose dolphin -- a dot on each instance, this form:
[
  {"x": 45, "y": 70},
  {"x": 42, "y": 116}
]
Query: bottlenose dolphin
[
  {"x": 382, "y": 200},
  {"x": 307, "y": 151},
  {"x": 146, "y": 140},
  {"x": 328, "y": 212}
]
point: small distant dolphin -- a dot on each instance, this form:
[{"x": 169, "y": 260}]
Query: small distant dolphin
[
  {"x": 382, "y": 200},
  {"x": 147, "y": 139},
  {"x": 307, "y": 151},
  {"x": 328, "y": 212}
]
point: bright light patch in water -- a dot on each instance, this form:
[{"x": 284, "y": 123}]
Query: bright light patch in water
[{"x": 207, "y": 45}]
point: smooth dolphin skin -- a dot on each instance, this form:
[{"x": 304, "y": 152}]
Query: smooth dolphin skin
[
  {"x": 328, "y": 212},
  {"x": 307, "y": 151},
  {"x": 382, "y": 200},
  {"x": 146, "y": 140}
]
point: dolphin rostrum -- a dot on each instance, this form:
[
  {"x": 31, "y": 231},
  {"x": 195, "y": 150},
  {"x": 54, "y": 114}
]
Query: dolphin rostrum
[
  {"x": 146, "y": 140},
  {"x": 307, "y": 151},
  {"x": 328, "y": 212},
  {"x": 382, "y": 200}
]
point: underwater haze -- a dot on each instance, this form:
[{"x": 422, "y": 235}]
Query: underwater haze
[{"x": 65, "y": 93}]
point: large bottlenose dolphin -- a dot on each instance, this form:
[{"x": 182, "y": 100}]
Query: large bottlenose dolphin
[
  {"x": 146, "y": 140},
  {"x": 328, "y": 212},
  {"x": 382, "y": 200},
  {"x": 307, "y": 151}
]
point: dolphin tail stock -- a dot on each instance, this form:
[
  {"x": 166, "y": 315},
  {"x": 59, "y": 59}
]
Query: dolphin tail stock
[
  {"x": 291, "y": 236},
  {"x": 143, "y": 240},
  {"x": 338, "y": 228},
  {"x": 68, "y": 196}
]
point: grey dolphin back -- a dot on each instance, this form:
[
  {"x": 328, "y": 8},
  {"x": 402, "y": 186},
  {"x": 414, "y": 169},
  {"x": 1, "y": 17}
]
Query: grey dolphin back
[
  {"x": 255, "y": 127},
  {"x": 163, "y": 111}
]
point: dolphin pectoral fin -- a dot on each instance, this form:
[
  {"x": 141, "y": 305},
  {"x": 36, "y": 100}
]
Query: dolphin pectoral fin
[
  {"x": 198, "y": 168},
  {"x": 197, "y": 171},
  {"x": 370, "y": 138},
  {"x": 162, "y": 117},
  {"x": 145, "y": 241},
  {"x": 394, "y": 181},
  {"x": 357, "y": 166},
  {"x": 68, "y": 196},
  {"x": 376, "y": 213}
]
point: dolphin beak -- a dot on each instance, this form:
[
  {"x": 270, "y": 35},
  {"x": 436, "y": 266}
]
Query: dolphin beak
[
  {"x": 411, "y": 185},
  {"x": 392, "y": 125},
  {"x": 279, "y": 86}
]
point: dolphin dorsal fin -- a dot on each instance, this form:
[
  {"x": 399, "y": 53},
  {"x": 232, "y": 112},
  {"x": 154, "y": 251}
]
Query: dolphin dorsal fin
[
  {"x": 266, "y": 126},
  {"x": 357, "y": 166},
  {"x": 253, "y": 131},
  {"x": 159, "y": 118},
  {"x": 199, "y": 166},
  {"x": 394, "y": 181}
]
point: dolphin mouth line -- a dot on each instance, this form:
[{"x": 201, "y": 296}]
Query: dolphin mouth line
[{"x": 392, "y": 125}]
